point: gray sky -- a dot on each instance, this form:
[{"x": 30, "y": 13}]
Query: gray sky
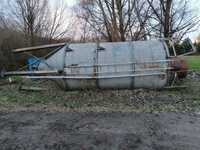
[
  {"x": 71, "y": 2},
  {"x": 195, "y": 4}
]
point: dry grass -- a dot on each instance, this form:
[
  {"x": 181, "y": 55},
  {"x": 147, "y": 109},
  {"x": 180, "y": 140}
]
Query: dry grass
[{"x": 140, "y": 100}]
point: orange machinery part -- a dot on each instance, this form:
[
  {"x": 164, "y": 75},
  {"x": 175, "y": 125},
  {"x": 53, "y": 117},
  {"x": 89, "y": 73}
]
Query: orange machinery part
[{"x": 179, "y": 66}]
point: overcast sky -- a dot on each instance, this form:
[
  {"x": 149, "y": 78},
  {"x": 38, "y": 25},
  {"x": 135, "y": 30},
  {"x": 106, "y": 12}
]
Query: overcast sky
[
  {"x": 71, "y": 2},
  {"x": 195, "y": 4}
]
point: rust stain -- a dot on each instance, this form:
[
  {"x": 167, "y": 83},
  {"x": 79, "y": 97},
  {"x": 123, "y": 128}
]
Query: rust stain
[
  {"x": 180, "y": 66},
  {"x": 152, "y": 65},
  {"x": 95, "y": 68},
  {"x": 75, "y": 69}
]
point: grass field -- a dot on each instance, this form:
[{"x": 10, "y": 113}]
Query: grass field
[
  {"x": 193, "y": 62},
  {"x": 54, "y": 99}
]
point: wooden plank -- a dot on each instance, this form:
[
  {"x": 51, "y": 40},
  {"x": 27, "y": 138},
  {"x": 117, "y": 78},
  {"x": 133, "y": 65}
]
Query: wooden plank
[
  {"x": 36, "y": 48},
  {"x": 31, "y": 89},
  {"x": 7, "y": 83},
  {"x": 175, "y": 87}
]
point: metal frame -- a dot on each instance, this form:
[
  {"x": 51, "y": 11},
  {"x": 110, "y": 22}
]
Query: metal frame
[
  {"x": 11, "y": 73},
  {"x": 121, "y": 64},
  {"x": 128, "y": 71},
  {"x": 94, "y": 77},
  {"x": 21, "y": 50}
]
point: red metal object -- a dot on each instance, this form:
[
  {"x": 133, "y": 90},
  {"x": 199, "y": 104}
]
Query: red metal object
[{"x": 180, "y": 66}]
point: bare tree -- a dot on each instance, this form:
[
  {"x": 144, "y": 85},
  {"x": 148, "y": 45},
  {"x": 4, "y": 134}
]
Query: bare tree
[
  {"x": 172, "y": 18},
  {"x": 39, "y": 19},
  {"x": 3, "y": 21},
  {"x": 57, "y": 25},
  {"x": 116, "y": 20},
  {"x": 30, "y": 15}
]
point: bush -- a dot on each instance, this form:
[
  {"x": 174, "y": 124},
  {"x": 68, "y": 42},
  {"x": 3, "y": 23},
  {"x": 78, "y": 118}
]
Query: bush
[
  {"x": 9, "y": 39},
  {"x": 184, "y": 47}
]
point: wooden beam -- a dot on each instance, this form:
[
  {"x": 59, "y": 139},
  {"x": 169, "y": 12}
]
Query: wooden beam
[
  {"x": 7, "y": 83},
  {"x": 31, "y": 89},
  {"x": 37, "y": 48},
  {"x": 175, "y": 87}
]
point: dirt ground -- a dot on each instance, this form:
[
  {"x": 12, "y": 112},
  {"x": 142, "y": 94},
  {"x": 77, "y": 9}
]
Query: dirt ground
[{"x": 99, "y": 131}]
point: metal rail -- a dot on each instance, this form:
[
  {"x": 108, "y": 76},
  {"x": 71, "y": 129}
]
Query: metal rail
[
  {"x": 92, "y": 77},
  {"x": 30, "y": 72},
  {"x": 122, "y": 64},
  {"x": 127, "y": 71},
  {"x": 20, "y": 50}
]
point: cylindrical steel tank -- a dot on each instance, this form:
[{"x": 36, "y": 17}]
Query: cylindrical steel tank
[{"x": 129, "y": 65}]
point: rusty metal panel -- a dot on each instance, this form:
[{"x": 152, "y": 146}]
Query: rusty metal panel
[
  {"x": 138, "y": 53},
  {"x": 146, "y": 51},
  {"x": 81, "y": 55},
  {"x": 115, "y": 53}
]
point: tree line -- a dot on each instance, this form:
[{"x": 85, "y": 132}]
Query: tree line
[
  {"x": 121, "y": 20},
  {"x": 30, "y": 22}
]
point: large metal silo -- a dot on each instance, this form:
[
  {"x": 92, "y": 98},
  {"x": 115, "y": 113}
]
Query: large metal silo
[{"x": 140, "y": 64}]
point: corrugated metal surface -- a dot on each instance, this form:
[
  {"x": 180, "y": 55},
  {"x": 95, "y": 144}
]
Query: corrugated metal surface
[
  {"x": 119, "y": 65},
  {"x": 115, "y": 54},
  {"x": 81, "y": 54},
  {"x": 147, "y": 52}
]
